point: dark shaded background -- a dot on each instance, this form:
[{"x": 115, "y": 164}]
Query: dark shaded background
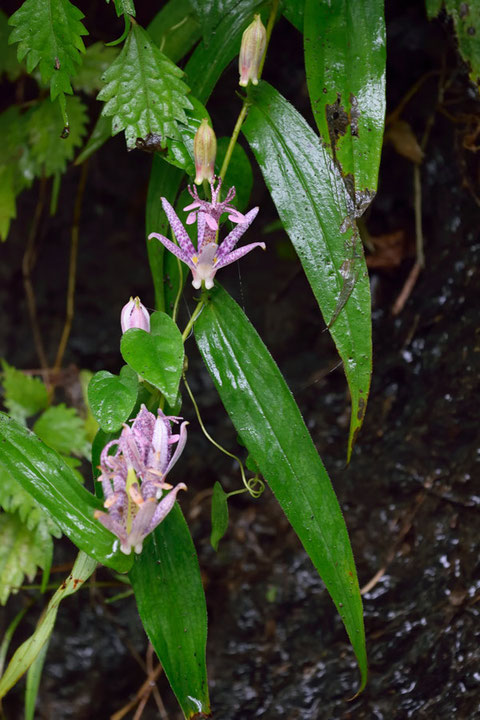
[{"x": 276, "y": 648}]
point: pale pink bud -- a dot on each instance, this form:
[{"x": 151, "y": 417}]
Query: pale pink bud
[
  {"x": 135, "y": 315},
  {"x": 252, "y": 48},
  {"x": 204, "y": 152}
]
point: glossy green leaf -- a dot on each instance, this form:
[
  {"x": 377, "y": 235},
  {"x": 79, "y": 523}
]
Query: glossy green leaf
[
  {"x": 46, "y": 476},
  {"x": 28, "y": 651},
  {"x": 207, "y": 63},
  {"x": 156, "y": 356},
  {"x": 175, "y": 29},
  {"x": 268, "y": 420},
  {"x": 112, "y": 398},
  {"x": 171, "y": 604},
  {"x": 124, "y": 7},
  {"x": 209, "y": 13},
  {"x": 345, "y": 67},
  {"x": 239, "y": 172},
  {"x": 294, "y": 12},
  {"x": 466, "y": 19},
  {"x": 219, "y": 515},
  {"x": 314, "y": 206}
]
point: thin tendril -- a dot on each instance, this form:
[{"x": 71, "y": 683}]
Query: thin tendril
[{"x": 248, "y": 483}]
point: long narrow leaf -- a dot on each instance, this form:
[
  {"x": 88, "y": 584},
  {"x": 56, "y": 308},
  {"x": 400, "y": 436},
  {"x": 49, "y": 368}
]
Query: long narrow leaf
[
  {"x": 171, "y": 603},
  {"x": 317, "y": 213},
  {"x": 345, "y": 66},
  {"x": 27, "y": 653},
  {"x": 45, "y": 475},
  {"x": 268, "y": 420}
]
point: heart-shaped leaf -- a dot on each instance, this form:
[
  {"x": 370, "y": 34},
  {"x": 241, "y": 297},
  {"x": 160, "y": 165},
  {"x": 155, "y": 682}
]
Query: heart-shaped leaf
[
  {"x": 112, "y": 398},
  {"x": 158, "y": 355}
]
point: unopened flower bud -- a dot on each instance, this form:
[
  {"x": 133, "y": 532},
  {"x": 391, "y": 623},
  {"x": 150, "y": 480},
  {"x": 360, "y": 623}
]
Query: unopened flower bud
[
  {"x": 204, "y": 152},
  {"x": 135, "y": 315},
  {"x": 251, "y": 52}
]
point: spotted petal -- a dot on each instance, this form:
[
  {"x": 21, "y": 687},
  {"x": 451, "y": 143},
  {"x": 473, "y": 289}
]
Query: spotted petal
[
  {"x": 177, "y": 227},
  {"x": 237, "y": 254},
  {"x": 233, "y": 237}
]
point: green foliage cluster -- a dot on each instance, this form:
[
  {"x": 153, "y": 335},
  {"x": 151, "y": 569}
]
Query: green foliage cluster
[{"x": 26, "y": 530}]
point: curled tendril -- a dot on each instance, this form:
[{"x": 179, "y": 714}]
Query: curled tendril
[{"x": 255, "y": 486}]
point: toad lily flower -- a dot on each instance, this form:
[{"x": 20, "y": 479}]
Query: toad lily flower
[
  {"x": 209, "y": 257},
  {"x": 133, "y": 478}
]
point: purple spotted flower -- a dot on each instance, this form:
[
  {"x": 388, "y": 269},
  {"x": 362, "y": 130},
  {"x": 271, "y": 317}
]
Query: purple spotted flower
[
  {"x": 134, "y": 477},
  {"x": 208, "y": 257}
]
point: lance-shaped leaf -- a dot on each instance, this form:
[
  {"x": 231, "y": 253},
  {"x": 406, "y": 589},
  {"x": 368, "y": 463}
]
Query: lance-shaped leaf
[
  {"x": 268, "y": 420},
  {"x": 52, "y": 483},
  {"x": 315, "y": 208},
  {"x": 345, "y": 66},
  {"x": 29, "y": 651},
  {"x": 144, "y": 93},
  {"x": 174, "y": 29},
  {"x": 49, "y": 33},
  {"x": 171, "y": 604},
  {"x": 158, "y": 355}
]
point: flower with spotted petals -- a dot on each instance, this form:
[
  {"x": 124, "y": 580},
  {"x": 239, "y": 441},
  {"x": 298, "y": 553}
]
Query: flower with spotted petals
[{"x": 208, "y": 257}]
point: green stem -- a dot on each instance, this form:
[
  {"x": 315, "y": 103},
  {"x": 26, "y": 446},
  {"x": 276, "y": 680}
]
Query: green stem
[
  {"x": 236, "y": 131},
  {"x": 191, "y": 322}
]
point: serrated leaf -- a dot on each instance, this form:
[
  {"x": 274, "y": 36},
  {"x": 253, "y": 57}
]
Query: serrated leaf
[
  {"x": 269, "y": 422},
  {"x": 14, "y": 499},
  {"x": 24, "y": 395},
  {"x": 28, "y": 651},
  {"x": 156, "y": 356},
  {"x": 51, "y": 151},
  {"x": 22, "y": 551},
  {"x": 219, "y": 515},
  {"x": 345, "y": 67},
  {"x": 17, "y": 166},
  {"x": 143, "y": 91},
  {"x": 112, "y": 398},
  {"x": 97, "y": 59},
  {"x": 44, "y": 474},
  {"x": 62, "y": 429},
  {"x": 171, "y": 603},
  {"x": 8, "y": 56},
  {"x": 49, "y": 33},
  {"x": 315, "y": 208}
]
